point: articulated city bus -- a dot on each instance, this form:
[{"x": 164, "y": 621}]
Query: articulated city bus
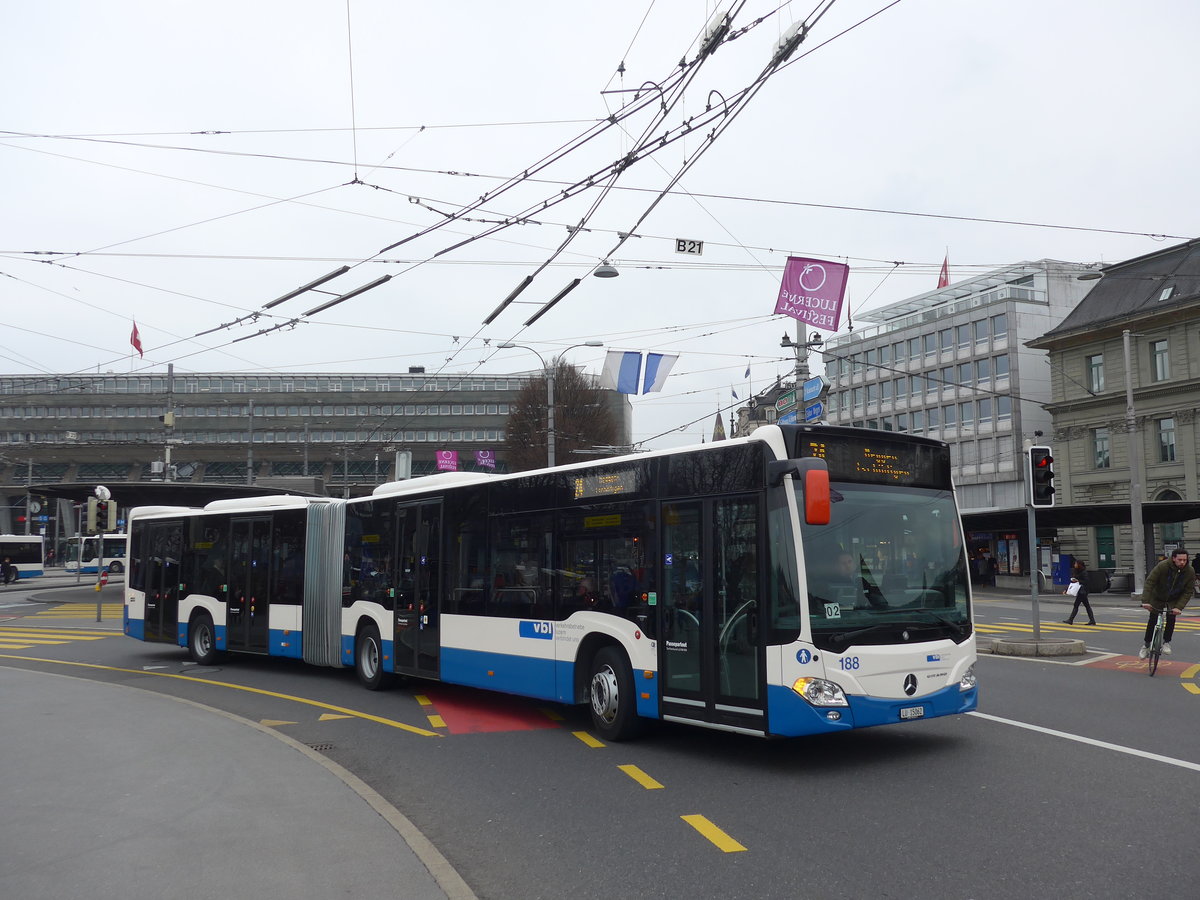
[
  {"x": 86, "y": 558},
  {"x": 24, "y": 553},
  {"x": 801, "y": 580}
]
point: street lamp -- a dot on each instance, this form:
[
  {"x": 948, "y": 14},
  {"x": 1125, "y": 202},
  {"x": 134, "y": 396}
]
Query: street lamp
[
  {"x": 1134, "y": 438},
  {"x": 549, "y": 371}
]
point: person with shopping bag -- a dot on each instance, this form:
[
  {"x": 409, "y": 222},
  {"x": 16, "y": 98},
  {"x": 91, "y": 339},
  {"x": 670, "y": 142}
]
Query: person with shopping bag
[{"x": 1079, "y": 592}]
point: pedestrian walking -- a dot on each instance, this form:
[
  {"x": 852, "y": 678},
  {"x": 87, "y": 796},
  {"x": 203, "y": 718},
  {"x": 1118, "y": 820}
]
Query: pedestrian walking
[{"x": 1078, "y": 590}]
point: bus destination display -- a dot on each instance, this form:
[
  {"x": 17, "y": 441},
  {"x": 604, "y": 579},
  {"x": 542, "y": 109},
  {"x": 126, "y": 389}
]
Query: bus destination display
[
  {"x": 605, "y": 484},
  {"x": 880, "y": 461}
]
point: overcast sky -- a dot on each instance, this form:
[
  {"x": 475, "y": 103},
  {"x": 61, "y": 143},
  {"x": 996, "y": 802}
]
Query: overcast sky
[{"x": 188, "y": 163}]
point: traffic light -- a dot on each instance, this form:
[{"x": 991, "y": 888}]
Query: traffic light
[
  {"x": 101, "y": 516},
  {"x": 1041, "y": 477},
  {"x": 106, "y": 516}
]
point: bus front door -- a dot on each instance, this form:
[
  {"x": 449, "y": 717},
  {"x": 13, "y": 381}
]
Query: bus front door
[
  {"x": 711, "y": 663},
  {"x": 418, "y": 582},
  {"x": 248, "y": 605},
  {"x": 163, "y": 546}
]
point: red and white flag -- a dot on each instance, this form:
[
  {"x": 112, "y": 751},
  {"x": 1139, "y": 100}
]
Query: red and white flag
[
  {"x": 944, "y": 277},
  {"x": 136, "y": 340}
]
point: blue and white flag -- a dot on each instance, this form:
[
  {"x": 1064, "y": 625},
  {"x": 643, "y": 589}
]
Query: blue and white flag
[
  {"x": 621, "y": 370},
  {"x": 747, "y": 375},
  {"x": 734, "y": 392},
  {"x": 658, "y": 367}
]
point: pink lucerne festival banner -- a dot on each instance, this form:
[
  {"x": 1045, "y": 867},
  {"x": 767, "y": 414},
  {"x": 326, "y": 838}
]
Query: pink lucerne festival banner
[
  {"x": 812, "y": 291},
  {"x": 447, "y": 460}
]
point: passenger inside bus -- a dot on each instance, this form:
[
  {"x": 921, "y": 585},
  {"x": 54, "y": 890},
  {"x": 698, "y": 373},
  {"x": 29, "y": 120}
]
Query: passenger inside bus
[{"x": 844, "y": 584}]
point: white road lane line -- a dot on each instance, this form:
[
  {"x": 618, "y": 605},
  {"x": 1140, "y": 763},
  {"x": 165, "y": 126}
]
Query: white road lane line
[{"x": 1104, "y": 745}]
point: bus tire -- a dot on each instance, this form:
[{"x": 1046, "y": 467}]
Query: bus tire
[
  {"x": 116, "y": 568},
  {"x": 202, "y": 640},
  {"x": 611, "y": 696},
  {"x": 368, "y": 658}
]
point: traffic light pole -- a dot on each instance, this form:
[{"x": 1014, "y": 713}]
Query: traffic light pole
[{"x": 1031, "y": 515}]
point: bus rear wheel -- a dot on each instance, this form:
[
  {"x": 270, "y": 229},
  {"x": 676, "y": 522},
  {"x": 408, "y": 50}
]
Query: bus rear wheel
[
  {"x": 611, "y": 696},
  {"x": 202, "y": 640},
  {"x": 368, "y": 659}
]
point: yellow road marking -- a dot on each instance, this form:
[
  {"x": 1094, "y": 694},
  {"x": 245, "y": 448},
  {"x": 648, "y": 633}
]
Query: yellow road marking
[
  {"x": 587, "y": 739},
  {"x": 1191, "y": 671},
  {"x": 551, "y": 715},
  {"x": 274, "y": 723},
  {"x": 391, "y": 723},
  {"x": 640, "y": 777},
  {"x": 5, "y": 645},
  {"x": 423, "y": 700},
  {"x": 33, "y": 641},
  {"x": 436, "y": 721},
  {"x": 1188, "y": 686},
  {"x": 723, "y": 841},
  {"x": 329, "y": 717}
]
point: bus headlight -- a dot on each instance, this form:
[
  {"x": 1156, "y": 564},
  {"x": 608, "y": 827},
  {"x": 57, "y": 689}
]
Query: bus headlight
[
  {"x": 968, "y": 679},
  {"x": 820, "y": 692}
]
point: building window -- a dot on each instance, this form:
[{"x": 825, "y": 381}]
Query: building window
[
  {"x": 1004, "y": 409},
  {"x": 950, "y": 415},
  {"x": 1000, "y": 326},
  {"x": 1001, "y": 366},
  {"x": 1100, "y": 455},
  {"x": 966, "y": 413},
  {"x": 1095, "y": 373},
  {"x": 981, "y": 331},
  {"x": 946, "y": 339},
  {"x": 985, "y": 409},
  {"x": 1166, "y": 440},
  {"x": 1160, "y": 363},
  {"x": 983, "y": 371},
  {"x": 963, "y": 335},
  {"x": 930, "y": 341}
]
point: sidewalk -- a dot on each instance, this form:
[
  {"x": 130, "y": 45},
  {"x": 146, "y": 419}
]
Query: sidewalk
[
  {"x": 1106, "y": 599},
  {"x": 112, "y": 791}
]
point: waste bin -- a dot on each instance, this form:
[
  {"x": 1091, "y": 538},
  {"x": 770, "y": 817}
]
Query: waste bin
[
  {"x": 1060, "y": 569},
  {"x": 1121, "y": 583}
]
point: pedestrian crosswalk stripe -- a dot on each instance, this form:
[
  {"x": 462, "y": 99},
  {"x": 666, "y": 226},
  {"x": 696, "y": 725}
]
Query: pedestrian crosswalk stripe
[
  {"x": 80, "y": 611},
  {"x": 17, "y": 638}
]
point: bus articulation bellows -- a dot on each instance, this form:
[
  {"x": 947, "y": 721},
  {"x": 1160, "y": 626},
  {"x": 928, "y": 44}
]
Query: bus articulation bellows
[{"x": 802, "y": 580}]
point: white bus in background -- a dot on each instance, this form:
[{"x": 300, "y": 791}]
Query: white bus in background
[
  {"x": 89, "y": 562},
  {"x": 24, "y": 553}
]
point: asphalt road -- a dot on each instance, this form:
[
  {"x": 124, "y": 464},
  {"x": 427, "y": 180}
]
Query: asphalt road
[{"x": 1066, "y": 784}]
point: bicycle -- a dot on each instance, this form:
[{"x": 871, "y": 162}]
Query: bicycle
[{"x": 1156, "y": 640}]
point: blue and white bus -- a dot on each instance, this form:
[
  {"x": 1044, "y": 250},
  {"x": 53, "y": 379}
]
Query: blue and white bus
[
  {"x": 83, "y": 554},
  {"x": 23, "y": 554},
  {"x": 695, "y": 585}
]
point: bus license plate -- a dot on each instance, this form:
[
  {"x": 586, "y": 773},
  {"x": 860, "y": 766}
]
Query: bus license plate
[{"x": 912, "y": 712}]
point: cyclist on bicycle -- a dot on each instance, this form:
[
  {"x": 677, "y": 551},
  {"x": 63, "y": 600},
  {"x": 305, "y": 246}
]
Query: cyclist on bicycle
[{"x": 1169, "y": 584}]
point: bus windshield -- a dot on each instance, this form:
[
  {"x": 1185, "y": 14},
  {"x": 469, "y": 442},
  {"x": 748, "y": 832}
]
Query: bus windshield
[{"x": 888, "y": 568}]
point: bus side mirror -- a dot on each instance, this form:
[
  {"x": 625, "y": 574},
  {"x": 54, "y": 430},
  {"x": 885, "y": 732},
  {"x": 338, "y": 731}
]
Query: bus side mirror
[
  {"x": 813, "y": 476},
  {"x": 817, "y": 509}
]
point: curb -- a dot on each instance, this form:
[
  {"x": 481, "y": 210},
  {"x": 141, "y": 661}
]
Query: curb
[{"x": 1043, "y": 647}]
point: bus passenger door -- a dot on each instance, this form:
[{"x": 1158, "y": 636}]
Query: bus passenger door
[
  {"x": 709, "y": 653},
  {"x": 248, "y": 605},
  {"x": 163, "y": 545},
  {"x": 418, "y": 583}
]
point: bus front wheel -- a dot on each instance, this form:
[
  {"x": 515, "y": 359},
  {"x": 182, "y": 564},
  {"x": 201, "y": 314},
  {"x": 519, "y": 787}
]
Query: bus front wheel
[
  {"x": 202, "y": 640},
  {"x": 368, "y": 659},
  {"x": 611, "y": 696}
]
